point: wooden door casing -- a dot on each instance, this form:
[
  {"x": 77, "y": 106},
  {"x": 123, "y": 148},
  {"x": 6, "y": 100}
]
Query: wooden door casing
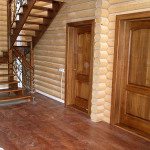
[
  {"x": 131, "y": 90},
  {"x": 79, "y": 64}
]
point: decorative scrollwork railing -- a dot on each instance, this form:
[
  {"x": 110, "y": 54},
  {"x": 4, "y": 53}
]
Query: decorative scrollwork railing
[
  {"x": 23, "y": 71},
  {"x": 15, "y": 8}
]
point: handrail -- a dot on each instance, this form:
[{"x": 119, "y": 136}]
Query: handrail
[{"x": 18, "y": 54}]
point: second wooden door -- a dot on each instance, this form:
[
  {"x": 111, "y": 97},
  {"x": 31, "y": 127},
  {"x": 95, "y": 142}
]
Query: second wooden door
[{"x": 131, "y": 85}]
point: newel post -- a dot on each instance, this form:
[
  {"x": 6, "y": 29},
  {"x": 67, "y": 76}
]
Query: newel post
[
  {"x": 10, "y": 55},
  {"x": 32, "y": 84}
]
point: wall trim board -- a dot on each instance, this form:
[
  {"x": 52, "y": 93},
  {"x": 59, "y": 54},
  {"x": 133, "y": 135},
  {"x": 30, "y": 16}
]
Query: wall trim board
[{"x": 50, "y": 96}]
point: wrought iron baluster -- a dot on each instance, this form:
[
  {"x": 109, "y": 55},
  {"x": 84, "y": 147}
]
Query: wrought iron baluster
[
  {"x": 25, "y": 72},
  {"x": 16, "y": 6}
]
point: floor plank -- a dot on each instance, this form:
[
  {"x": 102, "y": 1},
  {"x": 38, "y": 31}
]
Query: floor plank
[{"x": 48, "y": 125}]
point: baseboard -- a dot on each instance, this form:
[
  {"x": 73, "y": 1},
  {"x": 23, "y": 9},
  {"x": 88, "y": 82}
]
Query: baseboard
[{"x": 50, "y": 96}]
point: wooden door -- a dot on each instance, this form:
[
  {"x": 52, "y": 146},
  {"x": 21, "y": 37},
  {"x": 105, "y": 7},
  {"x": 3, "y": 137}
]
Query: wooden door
[
  {"x": 82, "y": 66},
  {"x": 79, "y": 65},
  {"x": 131, "y": 83},
  {"x": 135, "y": 106}
]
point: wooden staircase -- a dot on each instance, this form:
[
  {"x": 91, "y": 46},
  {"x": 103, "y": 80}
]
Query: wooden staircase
[
  {"x": 34, "y": 19},
  {"x": 30, "y": 23},
  {"x": 9, "y": 90}
]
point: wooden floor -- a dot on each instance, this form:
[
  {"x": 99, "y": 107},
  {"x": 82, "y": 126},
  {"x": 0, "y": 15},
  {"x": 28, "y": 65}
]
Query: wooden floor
[{"x": 48, "y": 125}]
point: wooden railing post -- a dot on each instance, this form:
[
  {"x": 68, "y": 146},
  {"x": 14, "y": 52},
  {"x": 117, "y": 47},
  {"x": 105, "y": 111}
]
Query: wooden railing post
[
  {"x": 32, "y": 64},
  {"x": 10, "y": 55}
]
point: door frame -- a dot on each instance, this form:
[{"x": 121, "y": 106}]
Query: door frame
[
  {"x": 69, "y": 60},
  {"x": 121, "y": 21}
]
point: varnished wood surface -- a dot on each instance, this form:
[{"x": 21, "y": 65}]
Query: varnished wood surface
[
  {"x": 130, "y": 96},
  {"x": 135, "y": 107},
  {"x": 48, "y": 125},
  {"x": 79, "y": 64}
]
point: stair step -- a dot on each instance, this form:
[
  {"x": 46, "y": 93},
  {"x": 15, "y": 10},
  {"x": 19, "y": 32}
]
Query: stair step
[
  {"x": 38, "y": 16},
  {"x": 30, "y": 29},
  {"x": 10, "y": 90},
  {"x": 8, "y": 82},
  {"x": 5, "y": 75},
  {"x": 47, "y": 1},
  {"x": 35, "y": 23},
  {"x": 5, "y": 68},
  {"x": 2, "y": 63},
  {"x": 3, "y": 59},
  {"x": 42, "y": 8},
  {"x": 22, "y": 46},
  {"x": 4, "y": 51},
  {"x": 23, "y": 40},
  {"x": 29, "y": 35},
  {"x": 14, "y": 98}
]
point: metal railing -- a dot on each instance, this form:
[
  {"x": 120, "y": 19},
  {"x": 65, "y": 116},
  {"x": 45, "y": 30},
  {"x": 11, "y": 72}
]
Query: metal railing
[
  {"x": 15, "y": 6},
  {"x": 22, "y": 67},
  {"x": 24, "y": 72}
]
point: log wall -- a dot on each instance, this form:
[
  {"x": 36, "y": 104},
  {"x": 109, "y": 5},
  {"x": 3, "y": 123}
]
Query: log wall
[
  {"x": 3, "y": 25},
  {"x": 50, "y": 51},
  {"x": 103, "y": 61}
]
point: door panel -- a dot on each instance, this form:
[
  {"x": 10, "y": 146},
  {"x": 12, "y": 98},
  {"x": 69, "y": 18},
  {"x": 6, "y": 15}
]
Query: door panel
[
  {"x": 82, "y": 89},
  {"x": 139, "y": 57},
  {"x": 135, "y": 97},
  {"x": 82, "y": 66},
  {"x": 138, "y": 105}
]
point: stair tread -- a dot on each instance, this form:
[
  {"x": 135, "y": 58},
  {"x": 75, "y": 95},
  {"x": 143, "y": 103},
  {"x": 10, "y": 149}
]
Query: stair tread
[
  {"x": 5, "y": 68},
  {"x": 23, "y": 40},
  {"x": 8, "y": 82},
  {"x": 5, "y": 63},
  {"x": 26, "y": 35},
  {"x": 42, "y": 8},
  {"x": 30, "y": 29},
  {"x": 1, "y": 63},
  {"x": 4, "y": 75},
  {"x": 4, "y": 51},
  {"x": 14, "y": 98},
  {"x": 8, "y": 90},
  {"x": 48, "y": 1},
  {"x": 38, "y": 16},
  {"x": 35, "y": 23}
]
